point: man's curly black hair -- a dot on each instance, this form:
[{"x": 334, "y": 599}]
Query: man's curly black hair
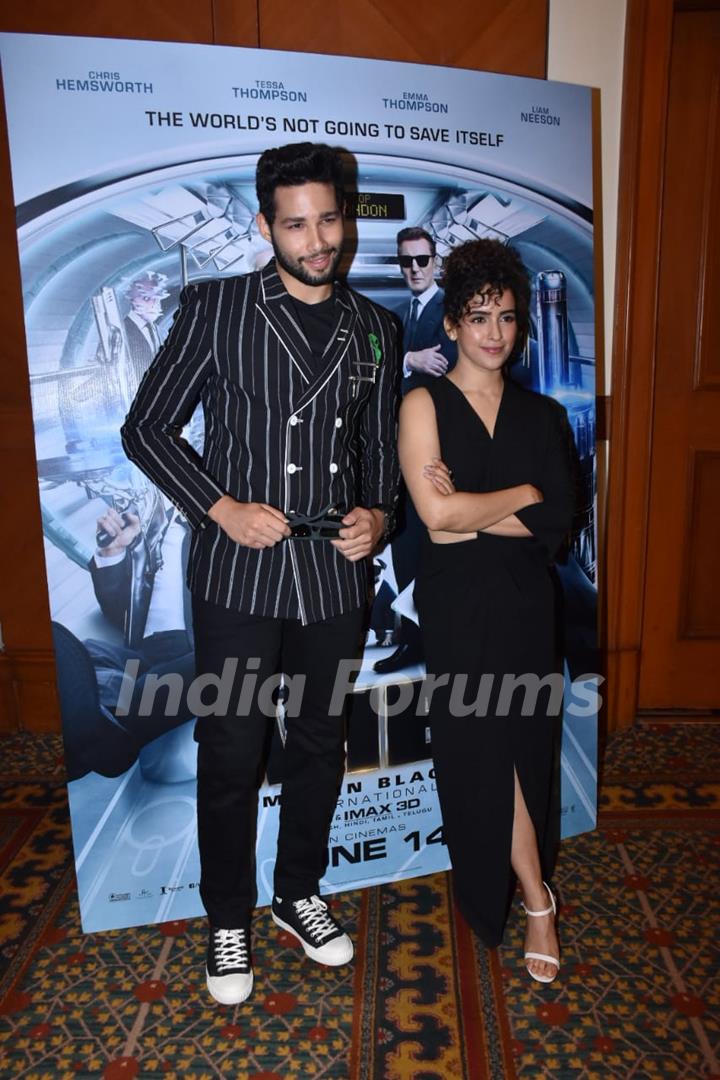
[
  {"x": 293, "y": 165},
  {"x": 486, "y": 267}
]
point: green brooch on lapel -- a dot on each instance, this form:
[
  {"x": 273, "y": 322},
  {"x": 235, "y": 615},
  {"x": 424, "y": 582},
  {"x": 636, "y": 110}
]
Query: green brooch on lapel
[{"x": 375, "y": 346}]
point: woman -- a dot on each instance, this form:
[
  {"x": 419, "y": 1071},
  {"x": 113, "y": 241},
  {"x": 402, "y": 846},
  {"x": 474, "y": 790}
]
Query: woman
[{"x": 488, "y": 467}]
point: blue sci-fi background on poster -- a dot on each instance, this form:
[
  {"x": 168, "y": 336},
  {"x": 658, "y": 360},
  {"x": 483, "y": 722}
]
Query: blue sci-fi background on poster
[{"x": 133, "y": 170}]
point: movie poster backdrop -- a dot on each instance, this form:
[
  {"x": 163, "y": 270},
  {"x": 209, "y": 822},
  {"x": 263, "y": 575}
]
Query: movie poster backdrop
[{"x": 133, "y": 170}]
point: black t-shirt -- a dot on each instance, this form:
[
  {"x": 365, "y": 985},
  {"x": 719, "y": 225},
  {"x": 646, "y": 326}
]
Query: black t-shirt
[{"x": 318, "y": 322}]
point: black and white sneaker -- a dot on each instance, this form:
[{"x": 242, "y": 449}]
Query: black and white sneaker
[
  {"x": 229, "y": 968},
  {"x": 312, "y": 924}
]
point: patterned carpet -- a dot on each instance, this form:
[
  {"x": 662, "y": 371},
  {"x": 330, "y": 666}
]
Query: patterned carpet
[{"x": 637, "y": 996}]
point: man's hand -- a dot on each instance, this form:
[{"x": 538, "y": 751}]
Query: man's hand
[
  {"x": 428, "y": 361},
  {"x": 121, "y": 529},
  {"x": 254, "y": 525},
  {"x": 362, "y": 533}
]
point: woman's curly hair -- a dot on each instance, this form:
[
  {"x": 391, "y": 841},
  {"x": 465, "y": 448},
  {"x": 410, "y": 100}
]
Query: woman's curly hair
[{"x": 486, "y": 267}]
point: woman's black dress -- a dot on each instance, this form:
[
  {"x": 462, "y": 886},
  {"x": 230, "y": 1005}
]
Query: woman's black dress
[{"x": 487, "y": 610}]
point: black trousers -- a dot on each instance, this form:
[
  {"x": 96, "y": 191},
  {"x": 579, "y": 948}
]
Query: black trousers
[{"x": 232, "y": 751}]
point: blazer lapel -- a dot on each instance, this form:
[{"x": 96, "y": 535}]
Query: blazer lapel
[
  {"x": 336, "y": 347},
  {"x": 279, "y": 311}
]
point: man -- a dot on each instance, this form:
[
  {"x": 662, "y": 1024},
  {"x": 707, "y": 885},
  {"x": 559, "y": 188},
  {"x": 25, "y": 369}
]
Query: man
[
  {"x": 428, "y": 353},
  {"x": 297, "y": 377}
]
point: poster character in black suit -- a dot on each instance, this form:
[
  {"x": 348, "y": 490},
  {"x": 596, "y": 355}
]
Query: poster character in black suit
[
  {"x": 427, "y": 350},
  {"x": 142, "y": 339},
  {"x": 428, "y": 353},
  {"x": 108, "y": 721},
  {"x": 296, "y": 375}
]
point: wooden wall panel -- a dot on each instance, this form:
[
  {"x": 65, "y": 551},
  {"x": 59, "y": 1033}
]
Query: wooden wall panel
[
  {"x": 235, "y": 22},
  {"x": 164, "y": 20},
  {"x": 700, "y": 614},
  {"x": 707, "y": 355},
  {"x": 647, "y": 65},
  {"x": 680, "y": 655},
  {"x": 508, "y": 36},
  {"x": 24, "y": 605},
  {"x": 9, "y": 711},
  {"x": 642, "y": 553}
]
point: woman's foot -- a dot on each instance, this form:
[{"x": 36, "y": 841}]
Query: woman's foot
[{"x": 542, "y": 950}]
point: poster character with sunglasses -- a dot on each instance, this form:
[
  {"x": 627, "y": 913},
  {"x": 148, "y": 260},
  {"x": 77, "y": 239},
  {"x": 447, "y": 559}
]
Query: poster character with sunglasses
[{"x": 428, "y": 353}]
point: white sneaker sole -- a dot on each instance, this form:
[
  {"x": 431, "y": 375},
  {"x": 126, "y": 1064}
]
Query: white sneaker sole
[
  {"x": 321, "y": 955},
  {"x": 224, "y": 993}
]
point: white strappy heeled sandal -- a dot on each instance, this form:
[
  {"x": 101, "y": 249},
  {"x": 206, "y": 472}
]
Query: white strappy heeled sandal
[{"x": 552, "y": 910}]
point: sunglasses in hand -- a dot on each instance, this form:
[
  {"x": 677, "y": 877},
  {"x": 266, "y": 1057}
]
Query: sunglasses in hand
[{"x": 322, "y": 526}]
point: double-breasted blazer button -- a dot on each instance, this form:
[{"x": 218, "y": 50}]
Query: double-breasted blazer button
[
  {"x": 293, "y": 421},
  {"x": 333, "y": 467},
  {"x": 338, "y": 421},
  {"x": 293, "y": 468}
]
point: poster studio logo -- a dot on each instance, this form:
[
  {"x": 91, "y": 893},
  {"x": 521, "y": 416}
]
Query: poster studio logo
[{"x": 244, "y": 693}]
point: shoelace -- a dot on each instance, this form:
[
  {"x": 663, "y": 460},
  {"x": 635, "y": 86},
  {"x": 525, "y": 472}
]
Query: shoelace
[
  {"x": 313, "y": 914},
  {"x": 231, "y": 949}
]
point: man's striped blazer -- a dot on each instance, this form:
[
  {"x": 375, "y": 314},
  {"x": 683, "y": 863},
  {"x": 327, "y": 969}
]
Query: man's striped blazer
[{"x": 281, "y": 427}]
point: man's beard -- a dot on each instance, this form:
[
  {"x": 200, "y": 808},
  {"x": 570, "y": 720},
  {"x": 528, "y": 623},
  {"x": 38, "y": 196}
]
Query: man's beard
[{"x": 297, "y": 270}]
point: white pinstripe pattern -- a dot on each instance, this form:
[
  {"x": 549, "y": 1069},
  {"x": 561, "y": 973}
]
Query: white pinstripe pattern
[{"x": 236, "y": 346}]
